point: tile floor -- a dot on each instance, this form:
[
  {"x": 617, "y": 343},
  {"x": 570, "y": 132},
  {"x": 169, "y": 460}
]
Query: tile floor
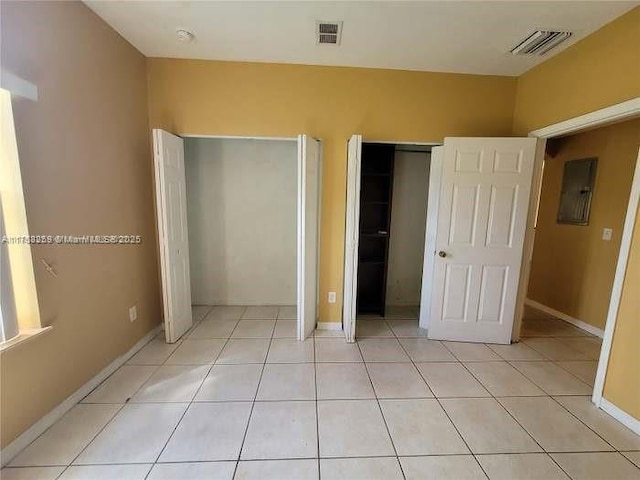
[{"x": 240, "y": 398}]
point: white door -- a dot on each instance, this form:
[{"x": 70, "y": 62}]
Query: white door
[
  {"x": 352, "y": 235},
  {"x": 171, "y": 210},
  {"x": 484, "y": 199},
  {"x": 309, "y": 174}
]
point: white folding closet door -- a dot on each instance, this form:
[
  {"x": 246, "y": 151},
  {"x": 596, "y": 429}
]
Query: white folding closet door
[
  {"x": 352, "y": 237},
  {"x": 428, "y": 262},
  {"x": 482, "y": 214},
  {"x": 309, "y": 173},
  {"x": 171, "y": 210}
]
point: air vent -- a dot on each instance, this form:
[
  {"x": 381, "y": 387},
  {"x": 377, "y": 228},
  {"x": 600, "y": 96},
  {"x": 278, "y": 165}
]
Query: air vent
[
  {"x": 328, "y": 33},
  {"x": 540, "y": 42}
]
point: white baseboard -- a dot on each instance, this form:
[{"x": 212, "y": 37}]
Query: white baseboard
[
  {"x": 620, "y": 415},
  {"x": 567, "y": 318},
  {"x": 329, "y": 326},
  {"x": 20, "y": 443}
]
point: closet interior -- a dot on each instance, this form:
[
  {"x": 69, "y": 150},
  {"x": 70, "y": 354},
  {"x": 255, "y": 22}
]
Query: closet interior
[{"x": 394, "y": 183}]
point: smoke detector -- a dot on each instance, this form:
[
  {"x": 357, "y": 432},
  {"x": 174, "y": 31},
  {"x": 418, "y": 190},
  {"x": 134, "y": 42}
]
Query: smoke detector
[
  {"x": 184, "y": 35},
  {"x": 328, "y": 33},
  {"x": 540, "y": 42}
]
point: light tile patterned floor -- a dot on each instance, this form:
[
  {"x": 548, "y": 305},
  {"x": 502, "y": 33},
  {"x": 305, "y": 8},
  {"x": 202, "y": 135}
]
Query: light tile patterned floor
[{"x": 240, "y": 398}]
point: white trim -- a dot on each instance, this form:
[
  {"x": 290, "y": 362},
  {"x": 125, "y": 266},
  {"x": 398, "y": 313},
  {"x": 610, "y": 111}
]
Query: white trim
[
  {"x": 20, "y": 443},
  {"x": 301, "y": 237},
  {"x": 567, "y": 318},
  {"x": 529, "y": 237},
  {"x": 19, "y": 86},
  {"x": 614, "y": 113},
  {"x": 390, "y": 142},
  {"x": 236, "y": 137},
  {"x": 620, "y": 415},
  {"x": 618, "y": 281},
  {"x": 351, "y": 237},
  {"x": 24, "y": 336},
  {"x": 329, "y": 326}
]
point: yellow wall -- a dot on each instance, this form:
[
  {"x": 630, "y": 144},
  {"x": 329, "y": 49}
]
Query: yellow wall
[
  {"x": 84, "y": 150},
  {"x": 622, "y": 386},
  {"x": 86, "y": 169},
  {"x": 573, "y": 268},
  {"x": 331, "y": 103},
  {"x": 601, "y": 70}
]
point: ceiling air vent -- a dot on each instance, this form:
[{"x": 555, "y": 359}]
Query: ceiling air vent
[
  {"x": 328, "y": 33},
  {"x": 540, "y": 42}
]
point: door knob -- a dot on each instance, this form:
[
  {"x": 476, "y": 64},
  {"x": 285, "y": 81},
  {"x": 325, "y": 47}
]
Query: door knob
[{"x": 442, "y": 253}]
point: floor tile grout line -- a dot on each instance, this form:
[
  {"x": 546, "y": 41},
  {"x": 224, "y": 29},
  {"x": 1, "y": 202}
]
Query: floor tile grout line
[
  {"x": 377, "y": 400},
  {"x": 315, "y": 380},
  {"x": 192, "y": 399},
  {"x": 492, "y": 396},
  {"x": 442, "y": 407},
  {"x": 93, "y": 438},
  {"x": 411, "y": 361},
  {"x": 511, "y": 362},
  {"x": 122, "y": 406},
  {"x": 552, "y": 359},
  {"x": 565, "y": 408},
  {"x": 253, "y": 404},
  {"x": 513, "y": 416},
  {"x": 413, "y": 455}
]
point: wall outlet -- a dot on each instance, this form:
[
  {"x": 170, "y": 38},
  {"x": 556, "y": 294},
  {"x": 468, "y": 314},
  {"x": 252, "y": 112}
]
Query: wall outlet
[
  {"x": 607, "y": 233},
  {"x": 133, "y": 313},
  {"x": 332, "y": 297}
]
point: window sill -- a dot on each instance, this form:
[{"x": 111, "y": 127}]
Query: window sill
[{"x": 25, "y": 336}]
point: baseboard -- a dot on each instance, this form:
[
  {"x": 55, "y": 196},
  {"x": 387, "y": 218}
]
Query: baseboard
[
  {"x": 329, "y": 326},
  {"x": 620, "y": 415},
  {"x": 20, "y": 443},
  {"x": 567, "y": 318}
]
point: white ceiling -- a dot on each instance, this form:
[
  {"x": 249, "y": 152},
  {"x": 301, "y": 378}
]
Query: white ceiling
[{"x": 441, "y": 36}]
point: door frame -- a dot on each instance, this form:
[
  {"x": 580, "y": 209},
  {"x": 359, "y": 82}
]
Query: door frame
[
  {"x": 431, "y": 214},
  {"x": 616, "y": 113},
  {"x": 269, "y": 138}
]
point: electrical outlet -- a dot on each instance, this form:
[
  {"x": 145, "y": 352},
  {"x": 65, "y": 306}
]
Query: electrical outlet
[
  {"x": 133, "y": 313},
  {"x": 607, "y": 233},
  {"x": 332, "y": 297}
]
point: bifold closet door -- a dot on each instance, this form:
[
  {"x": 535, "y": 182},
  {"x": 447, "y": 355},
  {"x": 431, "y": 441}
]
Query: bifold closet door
[
  {"x": 309, "y": 175},
  {"x": 482, "y": 217},
  {"x": 352, "y": 236},
  {"x": 171, "y": 211}
]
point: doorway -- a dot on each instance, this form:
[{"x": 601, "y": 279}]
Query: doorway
[
  {"x": 238, "y": 222},
  {"x": 578, "y": 239},
  {"x": 393, "y": 212},
  {"x": 476, "y": 217}
]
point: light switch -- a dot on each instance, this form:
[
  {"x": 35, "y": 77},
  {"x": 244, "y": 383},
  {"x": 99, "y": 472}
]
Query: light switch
[
  {"x": 332, "y": 297},
  {"x": 133, "y": 313},
  {"x": 607, "y": 233}
]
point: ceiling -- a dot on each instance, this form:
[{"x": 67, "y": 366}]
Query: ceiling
[{"x": 442, "y": 36}]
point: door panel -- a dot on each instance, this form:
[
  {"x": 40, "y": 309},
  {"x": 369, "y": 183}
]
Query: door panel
[
  {"x": 352, "y": 227},
  {"x": 309, "y": 174},
  {"x": 435, "y": 177},
  {"x": 171, "y": 210},
  {"x": 482, "y": 215}
]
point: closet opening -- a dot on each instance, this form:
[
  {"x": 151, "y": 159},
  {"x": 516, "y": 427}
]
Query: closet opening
[
  {"x": 394, "y": 192},
  {"x": 241, "y": 213},
  {"x": 238, "y": 230}
]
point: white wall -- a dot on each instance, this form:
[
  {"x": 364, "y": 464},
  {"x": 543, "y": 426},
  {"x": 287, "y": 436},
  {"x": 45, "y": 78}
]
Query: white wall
[
  {"x": 241, "y": 205},
  {"x": 408, "y": 219}
]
